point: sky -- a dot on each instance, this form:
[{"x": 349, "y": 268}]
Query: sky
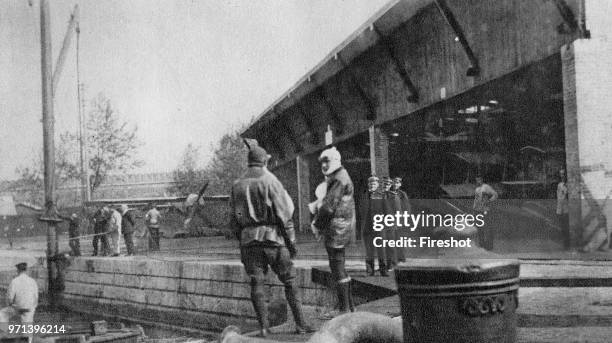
[{"x": 183, "y": 71}]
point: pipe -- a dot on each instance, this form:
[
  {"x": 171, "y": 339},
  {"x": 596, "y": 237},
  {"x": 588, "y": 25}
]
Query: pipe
[{"x": 348, "y": 328}]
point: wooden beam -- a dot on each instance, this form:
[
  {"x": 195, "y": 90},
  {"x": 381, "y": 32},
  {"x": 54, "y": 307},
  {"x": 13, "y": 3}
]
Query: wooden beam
[
  {"x": 362, "y": 93},
  {"x": 330, "y": 109},
  {"x": 273, "y": 137},
  {"x": 286, "y": 124},
  {"x": 447, "y": 13},
  {"x": 315, "y": 138},
  {"x": 59, "y": 65},
  {"x": 386, "y": 43}
]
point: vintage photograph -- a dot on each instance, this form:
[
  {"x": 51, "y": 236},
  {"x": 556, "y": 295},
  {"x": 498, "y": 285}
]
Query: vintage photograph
[{"x": 340, "y": 171}]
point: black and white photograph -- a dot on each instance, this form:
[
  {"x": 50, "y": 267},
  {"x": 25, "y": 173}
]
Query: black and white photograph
[{"x": 321, "y": 171}]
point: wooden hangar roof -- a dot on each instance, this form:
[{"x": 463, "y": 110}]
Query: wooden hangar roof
[{"x": 382, "y": 24}]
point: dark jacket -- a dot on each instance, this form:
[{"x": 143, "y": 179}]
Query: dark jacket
[
  {"x": 100, "y": 220},
  {"x": 336, "y": 217},
  {"x": 371, "y": 204},
  {"x": 127, "y": 223},
  {"x": 73, "y": 227},
  {"x": 393, "y": 202},
  {"x": 261, "y": 209},
  {"x": 404, "y": 200}
]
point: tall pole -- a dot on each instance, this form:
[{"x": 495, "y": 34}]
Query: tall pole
[
  {"x": 48, "y": 141},
  {"x": 86, "y": 191}
]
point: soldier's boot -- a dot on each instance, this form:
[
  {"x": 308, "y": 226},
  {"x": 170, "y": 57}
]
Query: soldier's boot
[
  {"x": 342, "y": 289},
  {"x": 296, "y": 309},
  {"x": 350, "y": 297},
  {"x": 370, "y": 267},
  {"x": 382, "y": 268},
  {"x": 345, "y": 302},
  {"x": 259, "y": 304}
]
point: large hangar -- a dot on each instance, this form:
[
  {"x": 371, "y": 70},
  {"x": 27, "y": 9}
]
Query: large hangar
[{"x": 437, "y": 91}]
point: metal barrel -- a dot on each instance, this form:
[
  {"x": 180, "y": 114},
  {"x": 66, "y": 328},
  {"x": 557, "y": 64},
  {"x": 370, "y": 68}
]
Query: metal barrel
[{"x": 459, "y": 300}]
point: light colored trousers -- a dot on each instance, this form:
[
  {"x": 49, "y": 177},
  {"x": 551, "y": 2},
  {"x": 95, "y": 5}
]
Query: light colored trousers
[
  {"x": 115, "y": 239},
  {"x": 7, "y": 313}
]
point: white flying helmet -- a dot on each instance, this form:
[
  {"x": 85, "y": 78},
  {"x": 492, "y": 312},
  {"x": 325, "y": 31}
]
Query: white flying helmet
[{"x": 333, "y": 156}]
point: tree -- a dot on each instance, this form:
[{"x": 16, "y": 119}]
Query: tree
[
  {"x": 188, "y": 176},
  {"x": 111, "y": 145},
  {"x": 229, "y": 162},
  {"x": 30, "y": 183}
]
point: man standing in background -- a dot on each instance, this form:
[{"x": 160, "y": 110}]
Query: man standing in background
[
  {"x": 127, "y": 228},
  {"x": 372, "y": 203},
  {"x": 114, "y": 226},
  {"x": 484, "y": 195},
  {"x": 404, "y": 207},
  {"x": 100, "y": 221},
  {"x": 392, "y": 205},
  {"x": 73, "y": 234},
  {"x": 563, "y": 209},
  {"x": 153, "y": 218},
  {"x": 335, "y": 221},
  {"x": 21, "y": 297}
]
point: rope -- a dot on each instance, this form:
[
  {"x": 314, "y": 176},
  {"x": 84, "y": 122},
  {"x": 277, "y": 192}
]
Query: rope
[{"x": 84, "y": 236}]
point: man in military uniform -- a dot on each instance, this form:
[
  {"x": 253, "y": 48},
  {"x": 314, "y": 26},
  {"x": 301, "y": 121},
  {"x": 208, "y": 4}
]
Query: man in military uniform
[
  {"x": 100, "y": 221},
  {"x": 261, "y": 218},
  {"x": 392, "y": 205},
  {"x": 404, "y": 207},
  {"x": 335, "y": 221},
  {"x": 73, "y": 234},
  {"x": 153, "y": 219},
  {"x": 127, "y": 228},
  {"x": 370, "y": 205}
]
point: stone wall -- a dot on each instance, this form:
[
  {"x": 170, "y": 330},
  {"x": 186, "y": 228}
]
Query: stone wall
[{"x": 206, "y": 295}]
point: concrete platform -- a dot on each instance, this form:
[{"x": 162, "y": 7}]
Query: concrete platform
[{"x": 559, "y": 300}]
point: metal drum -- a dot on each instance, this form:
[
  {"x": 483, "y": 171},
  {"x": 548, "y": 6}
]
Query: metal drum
[{"x": 459, "y": 300}]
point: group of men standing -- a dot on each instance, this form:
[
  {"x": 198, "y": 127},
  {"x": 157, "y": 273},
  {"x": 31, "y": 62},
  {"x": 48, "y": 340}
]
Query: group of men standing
[
  {"x": 388, "y": 199},
  {"x": 111, "y": 224}
]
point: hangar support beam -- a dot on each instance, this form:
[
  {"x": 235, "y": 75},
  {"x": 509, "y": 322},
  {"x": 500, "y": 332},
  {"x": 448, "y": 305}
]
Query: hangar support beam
[
  {"x": 448, "y": 15},
  {"x": 286, "y": 124},
  {"x": 311, "y": 127},
  {"x": 320, "y": 92},
  {"x": 362, "y": 93},
  {"x": 386, "y": 43}
]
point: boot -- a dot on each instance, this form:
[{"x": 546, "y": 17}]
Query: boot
[
  {"x": 344, "y": 301},
  {"x": 350, "y": 297},
  {"x": 382, "y": 268},
  {"x": 259, "y": 304},
  {"x": 342, "y": 290},
  {"x": 296, "y": 309},
  {"x": 370, "y": 267}
]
